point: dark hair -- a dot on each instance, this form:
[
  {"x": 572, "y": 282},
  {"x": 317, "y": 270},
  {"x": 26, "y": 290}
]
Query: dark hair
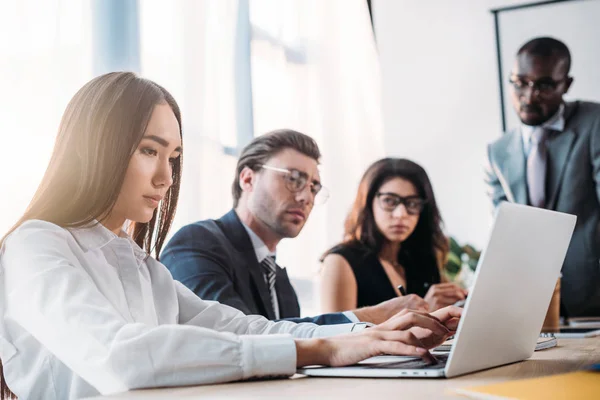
[
  {"x": 426, "y": 245},
  {"x": 100, "y": 130},
  {"x": 5, "y": 392},
  {"x": 262, "y": 148},
  {"x": 547, "y": 47}
]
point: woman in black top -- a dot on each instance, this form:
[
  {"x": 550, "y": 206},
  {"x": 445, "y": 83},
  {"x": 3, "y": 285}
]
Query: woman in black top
[{"x": 392, "y": 237}]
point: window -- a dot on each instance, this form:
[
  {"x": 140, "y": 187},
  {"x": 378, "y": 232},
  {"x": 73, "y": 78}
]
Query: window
[{"x": 47, "y": 59}]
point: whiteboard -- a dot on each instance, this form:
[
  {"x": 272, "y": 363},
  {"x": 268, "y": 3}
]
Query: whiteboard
[{"x": 575, "y": 23}]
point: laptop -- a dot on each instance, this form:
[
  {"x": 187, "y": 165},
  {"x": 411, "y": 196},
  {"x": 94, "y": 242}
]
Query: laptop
[{"x": 505, "y": 309}]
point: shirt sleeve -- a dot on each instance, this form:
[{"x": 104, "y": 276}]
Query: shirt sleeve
[
  {"x": 198, "y": 312},
  {"x": 351, "y": 316},
  {"x": 49, "y": 294}
]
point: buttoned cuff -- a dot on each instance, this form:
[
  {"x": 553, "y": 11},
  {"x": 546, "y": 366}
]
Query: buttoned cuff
[
  {"x": 332, "y": 330},
  {"x": 351, "y": 316},
  {"x": 268, "y": 355}
]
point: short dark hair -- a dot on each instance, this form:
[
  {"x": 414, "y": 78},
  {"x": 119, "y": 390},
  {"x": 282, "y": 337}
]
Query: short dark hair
[
  {"x": 262, "y": 148},
  {"x": 547, "y": 47}
]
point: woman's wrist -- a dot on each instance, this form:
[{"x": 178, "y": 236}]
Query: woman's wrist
[{"x": 311, "y": 352}]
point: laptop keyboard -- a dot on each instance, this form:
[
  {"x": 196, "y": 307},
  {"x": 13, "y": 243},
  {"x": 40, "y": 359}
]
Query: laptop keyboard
[{"x": 413, "y": 364}]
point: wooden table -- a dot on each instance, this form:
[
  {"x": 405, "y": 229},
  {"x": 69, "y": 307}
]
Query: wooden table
[{"x": 569, "y": 355}]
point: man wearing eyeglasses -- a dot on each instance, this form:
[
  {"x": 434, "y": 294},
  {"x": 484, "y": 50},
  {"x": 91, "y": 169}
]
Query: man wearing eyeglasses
[
  {"x": 552, "y": 161},
  {"x": 233, "y": 259}
]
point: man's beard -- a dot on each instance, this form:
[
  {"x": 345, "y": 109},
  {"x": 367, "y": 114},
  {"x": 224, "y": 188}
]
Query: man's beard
[
  {"x": 539, "y": 117},
  {"x": 267, "y": 213}
]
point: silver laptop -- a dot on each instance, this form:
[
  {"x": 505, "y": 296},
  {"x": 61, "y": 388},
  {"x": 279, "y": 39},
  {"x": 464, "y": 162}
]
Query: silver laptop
[{"x": 506, "y": 307}]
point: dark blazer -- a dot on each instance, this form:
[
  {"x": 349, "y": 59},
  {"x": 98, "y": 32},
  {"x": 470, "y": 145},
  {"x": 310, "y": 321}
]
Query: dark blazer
[
  {"x": 572, "y": 186},
  {"x": 216, "y": 260}
]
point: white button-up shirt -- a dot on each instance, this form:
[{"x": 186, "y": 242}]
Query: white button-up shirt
[{"x": 86, "y": 312}]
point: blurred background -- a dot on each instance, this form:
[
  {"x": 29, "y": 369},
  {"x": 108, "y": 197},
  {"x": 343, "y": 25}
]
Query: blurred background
[{"x": 365, "y": 78}]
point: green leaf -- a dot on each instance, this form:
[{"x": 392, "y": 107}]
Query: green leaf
[
  {"x": 455, "y": 247},
  {"x": 454, "y": 259},
  {"x": 453, "y": 264}
]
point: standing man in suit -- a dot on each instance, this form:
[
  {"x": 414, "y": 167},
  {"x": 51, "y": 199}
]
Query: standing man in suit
[
  {"x": 232, "y": 259},
  {"x": 552, "y": 161}
]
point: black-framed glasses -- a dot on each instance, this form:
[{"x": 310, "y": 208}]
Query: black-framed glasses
[
  {"x": 542, "y": 87},
  {"x": 296, "y": 181},
  {"x": 390, "y": 201}
]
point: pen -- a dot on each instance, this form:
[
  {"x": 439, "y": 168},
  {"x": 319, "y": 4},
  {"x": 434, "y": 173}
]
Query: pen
[{"x": 402, "y": 290}]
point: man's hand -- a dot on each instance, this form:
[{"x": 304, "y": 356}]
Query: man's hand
[
  {"x": 387, "y": 309},
  {"x": 430, "y": 329},
  {"x": 444, "y": 294},
  {"x": 448, "y": 317}
]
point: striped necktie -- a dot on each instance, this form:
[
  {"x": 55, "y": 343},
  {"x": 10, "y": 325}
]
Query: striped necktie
[{"x": 270, "y": 271}]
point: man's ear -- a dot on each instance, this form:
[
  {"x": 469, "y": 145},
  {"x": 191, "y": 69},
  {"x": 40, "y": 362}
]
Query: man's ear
[
  {"x": 247, "y": 177},
  {"x": 568, "y": 84}
]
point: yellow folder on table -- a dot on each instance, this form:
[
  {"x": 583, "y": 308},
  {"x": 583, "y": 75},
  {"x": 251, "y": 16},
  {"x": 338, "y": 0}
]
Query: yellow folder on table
[{"x": 575, "y": 385}]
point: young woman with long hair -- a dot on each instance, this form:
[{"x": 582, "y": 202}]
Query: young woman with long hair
[
  {"x": 392, "y": 237},
  {"x": 85, "y": 309}
]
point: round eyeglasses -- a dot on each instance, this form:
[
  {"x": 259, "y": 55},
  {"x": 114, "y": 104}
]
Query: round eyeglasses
[{"x": 296, "y": 181}]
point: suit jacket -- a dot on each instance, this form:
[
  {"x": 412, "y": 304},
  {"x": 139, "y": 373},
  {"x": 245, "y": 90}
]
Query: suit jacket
[
  {"x": 216, "y": 260},
  {"x": 572, "y": 186}
]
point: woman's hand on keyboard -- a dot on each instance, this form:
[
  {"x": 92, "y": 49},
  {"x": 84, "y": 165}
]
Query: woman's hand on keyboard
[{"x": 393, "y": 337}]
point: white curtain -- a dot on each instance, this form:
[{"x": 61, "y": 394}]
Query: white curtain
[
  {"x": 45, "y": 57},
  {"x": 315, "y": 69},
  {"x": 187, "y": 46}
]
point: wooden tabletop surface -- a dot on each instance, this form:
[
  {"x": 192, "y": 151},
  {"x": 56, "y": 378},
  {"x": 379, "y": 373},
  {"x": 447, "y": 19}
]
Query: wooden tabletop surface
[{"x": 569, "y": 355}]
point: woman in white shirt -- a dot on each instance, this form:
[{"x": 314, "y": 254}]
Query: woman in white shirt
[{"x": 84, "y": 309}]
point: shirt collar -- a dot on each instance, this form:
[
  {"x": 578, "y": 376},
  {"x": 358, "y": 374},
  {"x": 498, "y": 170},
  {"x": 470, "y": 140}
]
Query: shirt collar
[
  {"x": 555, "y": 123},
  {"x": 95, "y": 236},
  {"x": 260, "y": 248}
]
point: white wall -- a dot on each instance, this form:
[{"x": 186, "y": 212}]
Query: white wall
[{"x": 440, "y": 99}]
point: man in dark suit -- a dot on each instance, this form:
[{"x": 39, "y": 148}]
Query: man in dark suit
[
  {"x": 553, "y": 161},
  {"x": 232, "y": 259}
]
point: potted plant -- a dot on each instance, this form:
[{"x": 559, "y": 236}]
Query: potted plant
[{"x": 461, "y": 263}]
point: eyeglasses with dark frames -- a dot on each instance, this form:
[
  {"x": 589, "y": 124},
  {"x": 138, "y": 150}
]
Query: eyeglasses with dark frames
[
  {"x": 296, "y": 181},
  {"x": 543, "y": 86},
  {"x": 390, "y": 201}
]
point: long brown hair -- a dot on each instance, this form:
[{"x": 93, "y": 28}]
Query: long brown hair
[
  {"x": 427, "y": 244},
  {"x": 100, "y": 130},
  {"x": 5, "y": 392}
]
